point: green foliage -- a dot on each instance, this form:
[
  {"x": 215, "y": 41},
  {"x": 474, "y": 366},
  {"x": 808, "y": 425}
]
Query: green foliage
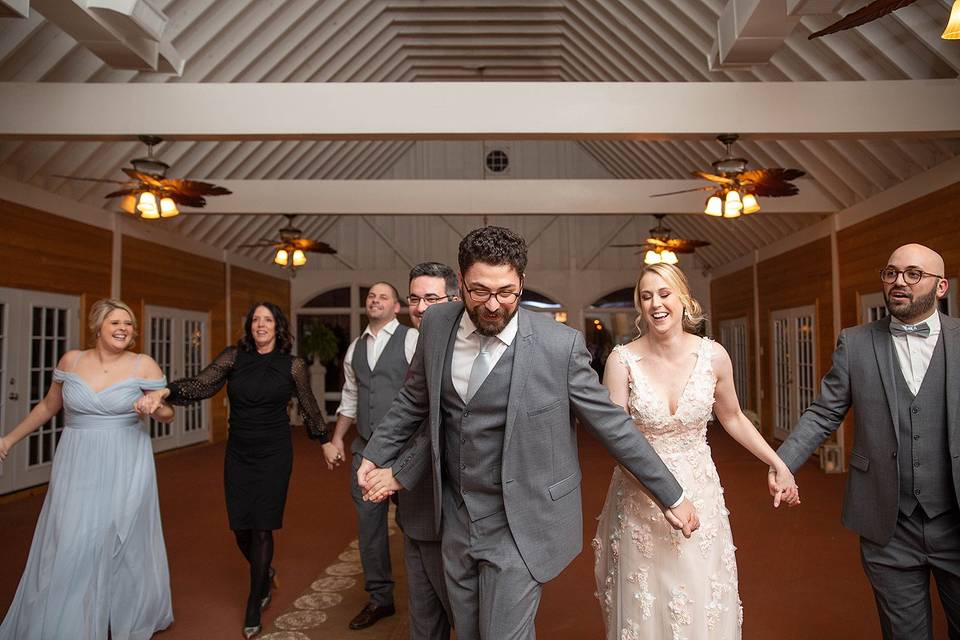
[{"x": 318, "y": 340}]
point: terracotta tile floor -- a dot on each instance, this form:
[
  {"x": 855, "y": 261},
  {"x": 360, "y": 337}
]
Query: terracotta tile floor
[{"x": 800, "y": 574}]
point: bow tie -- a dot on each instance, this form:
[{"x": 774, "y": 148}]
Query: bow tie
[{"x": 921, "y": 330}]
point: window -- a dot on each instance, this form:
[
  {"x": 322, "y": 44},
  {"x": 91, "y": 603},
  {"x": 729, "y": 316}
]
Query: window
[
  {"x": 733, "y": 337},
  {"x": 793, "y": 338}
]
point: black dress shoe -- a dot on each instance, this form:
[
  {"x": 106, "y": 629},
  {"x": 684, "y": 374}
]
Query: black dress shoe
[{"x": 370, "y": 614}]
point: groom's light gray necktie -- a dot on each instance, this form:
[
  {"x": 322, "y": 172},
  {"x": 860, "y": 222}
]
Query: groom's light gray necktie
[{"x": 481, "y": 366}]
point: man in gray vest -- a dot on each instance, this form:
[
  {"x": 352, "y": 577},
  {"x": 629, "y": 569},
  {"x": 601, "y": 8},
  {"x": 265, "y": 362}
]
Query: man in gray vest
[
  {"x": 901, "y": 375},
  {"x": 374, "y": 368},
  {"x": 430, "y": 283},
  {"x": 500, "y": 386}
]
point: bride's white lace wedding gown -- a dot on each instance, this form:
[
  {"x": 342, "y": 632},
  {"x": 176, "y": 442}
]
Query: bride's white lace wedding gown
[{"x": 651, "y": 581}]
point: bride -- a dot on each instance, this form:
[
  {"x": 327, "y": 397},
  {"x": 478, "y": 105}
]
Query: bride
[{"x": 651, "y": 582}]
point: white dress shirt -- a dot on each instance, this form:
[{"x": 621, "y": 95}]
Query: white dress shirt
[
  {"x": 375, "y": 346},
  {"x": 914, "y": 353},
  {"x": 467, "y": 347}
]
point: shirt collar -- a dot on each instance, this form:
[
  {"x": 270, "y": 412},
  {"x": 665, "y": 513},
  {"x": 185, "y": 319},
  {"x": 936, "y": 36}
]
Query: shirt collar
[
  {"x": 467, "y": 328},
  {"x": 390, "y": 327}
]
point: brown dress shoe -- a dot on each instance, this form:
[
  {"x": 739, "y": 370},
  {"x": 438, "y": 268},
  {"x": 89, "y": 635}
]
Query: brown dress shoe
[{"x": 370, "y": 614}]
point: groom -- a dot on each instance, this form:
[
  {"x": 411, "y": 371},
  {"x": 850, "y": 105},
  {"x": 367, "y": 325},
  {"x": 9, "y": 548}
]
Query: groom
[
  {"x": 901, "y": 375},
  {"x": 500, "y": 386}
]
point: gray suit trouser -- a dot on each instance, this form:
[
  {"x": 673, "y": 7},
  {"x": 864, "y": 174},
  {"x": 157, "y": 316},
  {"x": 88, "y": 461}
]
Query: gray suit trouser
[
  {"x": 492, "y": 594},
  {"x": 900, "y": 574},
  {"x": 374, "y": 538},
  {"x": 429, "y": 606}
]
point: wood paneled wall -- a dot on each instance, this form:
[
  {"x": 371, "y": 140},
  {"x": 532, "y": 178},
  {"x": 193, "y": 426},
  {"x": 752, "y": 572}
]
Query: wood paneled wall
[
  {"x": 731, "y": 297},
  {"x": 45, "y": 252}
]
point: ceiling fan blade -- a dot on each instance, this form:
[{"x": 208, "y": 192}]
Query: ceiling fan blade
[
  {"x": 104, "y": 180},
  {"x": 194, "y": 187},
  {"x": 712, "y": 177},
  {"x": 673, "y": 193},
  {"x": 657, "y": 242},
  {"x": 320, "y": 247},
  {"x": 773, "y": 182},
  {"x": 869, "y": 13},
  {"x": 686, "y": 246},
  {"x": 122, "y": 192}
]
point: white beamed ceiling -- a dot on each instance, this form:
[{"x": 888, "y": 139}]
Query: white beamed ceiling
[{"x": 311, "y": 41}]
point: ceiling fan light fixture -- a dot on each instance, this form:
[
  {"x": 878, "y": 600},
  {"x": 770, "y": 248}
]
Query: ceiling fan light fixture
[
  {"x": 750, "y": 204},
  {"x": 129, "y": 204},
  {"x": 299, "y": 258},
  {"x": 651, "y": 257},
  {"x": 147, "y": 205},
  {"x": 282, "y": 258},
  {"x": 168, "y": 208},
  {"x": 952, "y": 32},
  {"x": 714, "y": 206},
  {"x": 668, "y": 257}
]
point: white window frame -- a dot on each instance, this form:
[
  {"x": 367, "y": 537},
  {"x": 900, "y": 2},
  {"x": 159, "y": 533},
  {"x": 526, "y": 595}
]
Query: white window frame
[
  {"x": 733, "y": 337},
  {"x": 793, "y": 365},
  {"x": 176, "y": 434}
]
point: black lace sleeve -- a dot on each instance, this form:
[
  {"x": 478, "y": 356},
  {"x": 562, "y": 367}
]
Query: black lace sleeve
[
  {"x": 309, "y": 410},
  {"x": 206, "y": 383}
]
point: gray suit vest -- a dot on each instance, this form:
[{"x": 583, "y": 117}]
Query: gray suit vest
[
  {"x": 473, "y": 436},
  {"x": 376, "y": 389},
  {"x": 923, "y": 453}
]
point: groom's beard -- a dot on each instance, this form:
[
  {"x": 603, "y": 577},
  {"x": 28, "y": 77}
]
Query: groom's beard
[
  {"x": 915, "y": 307},
  {"x": 490, "y": 323}
]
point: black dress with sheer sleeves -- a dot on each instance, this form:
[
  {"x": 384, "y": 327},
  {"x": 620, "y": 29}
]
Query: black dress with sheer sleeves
[{"x": 259, "y": 456}]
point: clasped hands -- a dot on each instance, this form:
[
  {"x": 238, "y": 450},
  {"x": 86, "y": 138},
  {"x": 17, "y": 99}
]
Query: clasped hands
[
  {"x": 377, "y": 484},
  {"x": 150, "y": 402},
  {"x": 782, "y": 486}
]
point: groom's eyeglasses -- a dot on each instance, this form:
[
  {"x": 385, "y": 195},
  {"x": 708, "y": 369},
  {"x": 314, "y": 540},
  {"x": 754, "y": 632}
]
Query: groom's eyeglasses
[{"x": 911, "y": 276}]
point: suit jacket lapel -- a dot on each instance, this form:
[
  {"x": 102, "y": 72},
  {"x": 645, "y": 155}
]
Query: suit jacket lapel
[
  {"x": 523, "y": 344},
  {"x": 950, "y": 328},
  {"x": 883, "y": 348}
]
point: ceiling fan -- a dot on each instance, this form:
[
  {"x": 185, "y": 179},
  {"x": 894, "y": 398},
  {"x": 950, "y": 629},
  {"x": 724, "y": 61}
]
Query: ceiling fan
[
  {"x": 290, "y": 246},
  {"x": 150, "y": 193},
  {"x": 878, "y": 9},
  {"x": 736, "y": 189},
  {"x": 661, "y": 246}
]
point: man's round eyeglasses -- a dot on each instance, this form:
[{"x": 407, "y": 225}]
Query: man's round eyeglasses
[
  {"x": 415, "y": 300},
  {"x": 503, "y": 297},
  {"x": 911, "y": 276}
]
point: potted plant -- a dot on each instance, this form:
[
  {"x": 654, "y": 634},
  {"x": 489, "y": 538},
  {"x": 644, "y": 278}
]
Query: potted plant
[{"x": 319, "y": 345}]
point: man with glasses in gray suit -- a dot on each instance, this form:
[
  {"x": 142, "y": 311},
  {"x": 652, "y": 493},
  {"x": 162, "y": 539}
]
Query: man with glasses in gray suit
[
  {"x": 901, "y": 375},
  {"x": 430, "y": 283},
  {"x": 500, "y": 386}
]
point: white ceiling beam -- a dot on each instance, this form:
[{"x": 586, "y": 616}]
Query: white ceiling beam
[
  {"x": 485, "y": 197},
  {"x": 749, "y": 32},
  {"x": 68, "y": 111}
]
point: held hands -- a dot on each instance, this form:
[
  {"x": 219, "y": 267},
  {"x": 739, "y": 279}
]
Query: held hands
[
  {"x": 377, "y": 484},
  {"x": 333, "y": 453},
  {"x": 150, "y": 402},
  {"x": 683, "y": 517},
  {"x": 782, "y": 486}
]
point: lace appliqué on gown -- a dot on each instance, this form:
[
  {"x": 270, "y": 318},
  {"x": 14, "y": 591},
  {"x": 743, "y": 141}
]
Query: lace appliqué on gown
[{"x": 651, "y": 581}]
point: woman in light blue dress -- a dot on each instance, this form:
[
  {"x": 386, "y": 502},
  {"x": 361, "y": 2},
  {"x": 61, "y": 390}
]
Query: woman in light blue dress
[{"x": 97, "y": 564}]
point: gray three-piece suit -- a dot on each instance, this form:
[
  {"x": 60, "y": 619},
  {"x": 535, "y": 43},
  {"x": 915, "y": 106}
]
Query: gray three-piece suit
[
  {"x": 504, "y": 465},
  {"x": 901, "y": 494}
]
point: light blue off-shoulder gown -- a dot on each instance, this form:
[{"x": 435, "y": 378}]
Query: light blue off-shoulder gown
[{"x": 97, "y": 560}]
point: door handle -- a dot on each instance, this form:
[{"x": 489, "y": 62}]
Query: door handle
[{"x": 13, "y": 395}]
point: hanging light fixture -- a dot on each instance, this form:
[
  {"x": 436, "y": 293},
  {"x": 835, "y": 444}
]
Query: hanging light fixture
[
  {"x": 651, "y": 257},
  {"x": 732, "y": 204},
  {"x": 282, "y": 258},
  {"x": 168, "y": 208},
  {"x": 750, "y": 204},
  {"x": 299, "y": 259},
  {"x": 952, "y": 32},
  {"x": 714, "y": 206},
  {"x": 668, "y": 256},
  {"x": 147, "y": 205}
]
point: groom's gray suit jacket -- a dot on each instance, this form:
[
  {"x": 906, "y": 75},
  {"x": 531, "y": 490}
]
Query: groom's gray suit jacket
[
  {"x": 539, "y": 467},
  {"x": 863, "y": 376}
]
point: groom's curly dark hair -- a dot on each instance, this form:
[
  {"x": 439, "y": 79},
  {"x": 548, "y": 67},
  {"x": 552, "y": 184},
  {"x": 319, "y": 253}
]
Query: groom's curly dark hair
[{"x": 493, "y": 245}]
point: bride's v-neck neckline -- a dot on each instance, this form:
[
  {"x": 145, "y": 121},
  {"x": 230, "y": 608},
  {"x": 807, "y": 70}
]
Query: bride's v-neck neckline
[{"x": 664, "y": 400}]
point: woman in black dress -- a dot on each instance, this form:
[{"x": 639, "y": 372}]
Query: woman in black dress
[{"x": 261, "y": 376}]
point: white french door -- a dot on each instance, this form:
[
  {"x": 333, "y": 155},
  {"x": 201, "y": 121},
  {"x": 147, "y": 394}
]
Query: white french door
[
  {"x": 733, "y": 337},
  {"x": 177, "y": 340},
  {"x": 36, "y": 329},
  {"x": 794, "y": 346}
]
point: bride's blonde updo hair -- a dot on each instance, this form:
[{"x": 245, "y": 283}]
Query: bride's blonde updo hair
[
  {"x": 693, "y": 315},
  {"x": 99, "y": 311}
]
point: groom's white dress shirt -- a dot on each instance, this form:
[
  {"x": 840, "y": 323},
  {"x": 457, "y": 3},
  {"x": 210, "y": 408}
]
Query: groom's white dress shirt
[{"x": 914, "y": 352}]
